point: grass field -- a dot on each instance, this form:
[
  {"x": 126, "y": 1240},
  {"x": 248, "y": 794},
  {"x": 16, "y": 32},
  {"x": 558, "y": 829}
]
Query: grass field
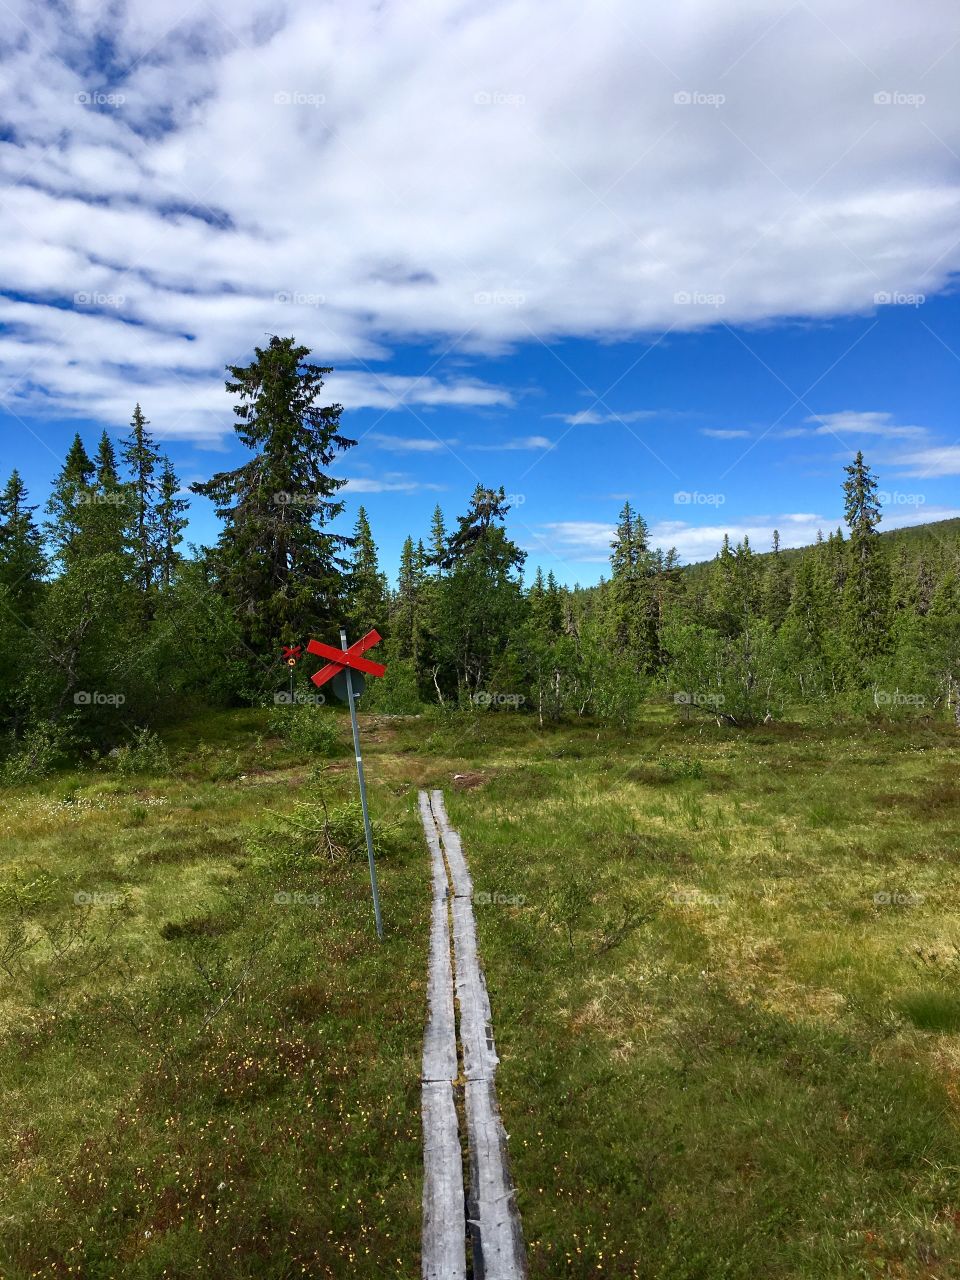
[{"x": 724, "y": 977}]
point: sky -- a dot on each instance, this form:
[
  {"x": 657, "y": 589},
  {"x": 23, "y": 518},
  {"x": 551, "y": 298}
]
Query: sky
[{"x": 694, "y": 257}]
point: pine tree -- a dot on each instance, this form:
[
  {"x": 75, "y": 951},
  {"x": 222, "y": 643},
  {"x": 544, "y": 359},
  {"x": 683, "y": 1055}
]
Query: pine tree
[
  {"x": 368, "y": 586},
  {"x": 275, "y": 561},
  {"x": 438, "y": 541},
  {"x": 407, "y": 622},
  {"x": 69, "y": 502},
  {"x": 866, "y": 586},
  {"x": 479, "y": 604},
  {"x": 776, "y": 586},
  {"x": 109, "y": 520},
  {"x": 142, "y": 459},
  {"x": 169, "y": 522},
  {"x": 631, "y": 591},
  {"x": 22, "y": 562}
]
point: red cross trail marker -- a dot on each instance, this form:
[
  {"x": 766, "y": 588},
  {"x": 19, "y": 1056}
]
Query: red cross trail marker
[
  {"x": 345, "y": 657},
  {"x": 345, "y": 662}
]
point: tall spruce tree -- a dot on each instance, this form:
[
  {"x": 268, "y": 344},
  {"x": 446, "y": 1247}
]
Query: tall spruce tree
[
  {"x": 368, "y": 586},
  {"x": 22, "y": 561},
  {"x": 142, "y": 459},
  {"x": 69, "y": 503},
  {"x": 776, "y": 585},
  {"x": 438, "y": 541},
  {"x": 631, "y": 591},
  {"x": 276, "y": 561},
  {"x": 866, "y": 585},
  {"x": 169, "y": 522}
]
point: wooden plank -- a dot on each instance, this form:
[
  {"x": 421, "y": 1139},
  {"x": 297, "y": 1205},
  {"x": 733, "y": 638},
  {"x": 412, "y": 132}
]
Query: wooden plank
[
  {"x": 443, "y": 1241},
  {"x": 492, "y": 1213},
  {"x": 459, "y": 874},
  {"x": 493, "y": 1216},
  {"x": 439, "y": 1040},
  {"x": 476, "y": 1021},
  {"x": 443, "y": 1244}
]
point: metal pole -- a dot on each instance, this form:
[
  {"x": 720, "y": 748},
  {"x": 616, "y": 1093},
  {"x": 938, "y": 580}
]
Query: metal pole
[{"x": 363, "y": 792}]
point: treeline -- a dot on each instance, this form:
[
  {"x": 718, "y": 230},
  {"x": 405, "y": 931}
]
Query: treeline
[{"x": 106, "y": 625}]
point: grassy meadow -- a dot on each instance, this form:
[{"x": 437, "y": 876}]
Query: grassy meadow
[{"x": 723, "y": 964}]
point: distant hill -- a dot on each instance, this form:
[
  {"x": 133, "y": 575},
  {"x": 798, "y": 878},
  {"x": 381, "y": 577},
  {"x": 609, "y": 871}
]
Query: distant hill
[{"x": 921, "y": 541}]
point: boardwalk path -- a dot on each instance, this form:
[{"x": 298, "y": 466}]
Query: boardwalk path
[{"x": 461, "y": 1067}]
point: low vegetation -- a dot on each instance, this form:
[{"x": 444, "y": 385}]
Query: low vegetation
[{"x": 723, "y": 965}]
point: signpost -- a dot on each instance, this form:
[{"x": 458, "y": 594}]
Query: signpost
[
  {"x": 292, "y": 653},
  {"x": 346, "y": 670}
]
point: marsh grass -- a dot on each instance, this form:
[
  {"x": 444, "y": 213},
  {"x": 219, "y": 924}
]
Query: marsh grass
[{"x": 722, "y": 966}]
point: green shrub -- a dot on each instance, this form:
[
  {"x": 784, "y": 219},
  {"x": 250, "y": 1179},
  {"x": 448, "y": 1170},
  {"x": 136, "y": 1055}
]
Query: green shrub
[
  {"x": 311, "y": 730},
  {"x": 311, "y": 833},
  {"x": 146, "y": 754},
  {"x": 36, "y": 754}
]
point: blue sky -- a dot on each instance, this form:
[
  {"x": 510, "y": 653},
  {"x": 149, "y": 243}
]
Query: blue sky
[{"x": 693, "y": 258}]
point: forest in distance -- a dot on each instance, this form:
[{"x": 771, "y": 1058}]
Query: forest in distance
[{"x": 111, "y": 627}]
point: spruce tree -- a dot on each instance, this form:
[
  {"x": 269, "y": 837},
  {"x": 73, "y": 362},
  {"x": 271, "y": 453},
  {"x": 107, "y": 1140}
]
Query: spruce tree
[
  {"x": 142, "y": 460},
  {"x": 69, "y": 502},
  {"x": 169, "y": 522},
  {"x": 276, "y": 562},
  {"x": 776, "y": 585},
  {"x": 368, "y": 586},
  {"x": 22, "y": 561},
  {"x": 631, "y": 591},
  {"x": 866, "y": 587},
  {"x": 438, "y": 541}
]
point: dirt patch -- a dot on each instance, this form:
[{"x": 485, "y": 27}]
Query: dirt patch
[{"x": 468, "y": 781}]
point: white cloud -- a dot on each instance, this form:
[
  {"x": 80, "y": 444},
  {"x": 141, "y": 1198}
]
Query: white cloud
[
  {"x": 362, "y": 175},
  {"x": 930, "y": 463},
  {"x": 521, "y": 442},
  {"x": 590, "y": 417},
  {"x": 409, "y": 444},
  {"x": 852, "y": 423},
  {"x": 719, "y": 433},
  {"x": 388, "y": 484}
]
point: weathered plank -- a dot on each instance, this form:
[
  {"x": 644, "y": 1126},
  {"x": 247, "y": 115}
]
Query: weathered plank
[
  {"x": 459, "y": 874},
  {"x": 440, "y": 1038},
  {"x": 493, "y": 1217},
  {"x": 492, "y": 1214},
  {"x": 443, "y": 1248},
  {"x": 476, "y": 1021}
]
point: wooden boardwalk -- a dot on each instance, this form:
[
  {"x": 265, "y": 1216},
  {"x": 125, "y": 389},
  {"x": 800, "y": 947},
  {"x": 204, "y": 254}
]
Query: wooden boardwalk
[{"x": 460, "y": 1064}]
